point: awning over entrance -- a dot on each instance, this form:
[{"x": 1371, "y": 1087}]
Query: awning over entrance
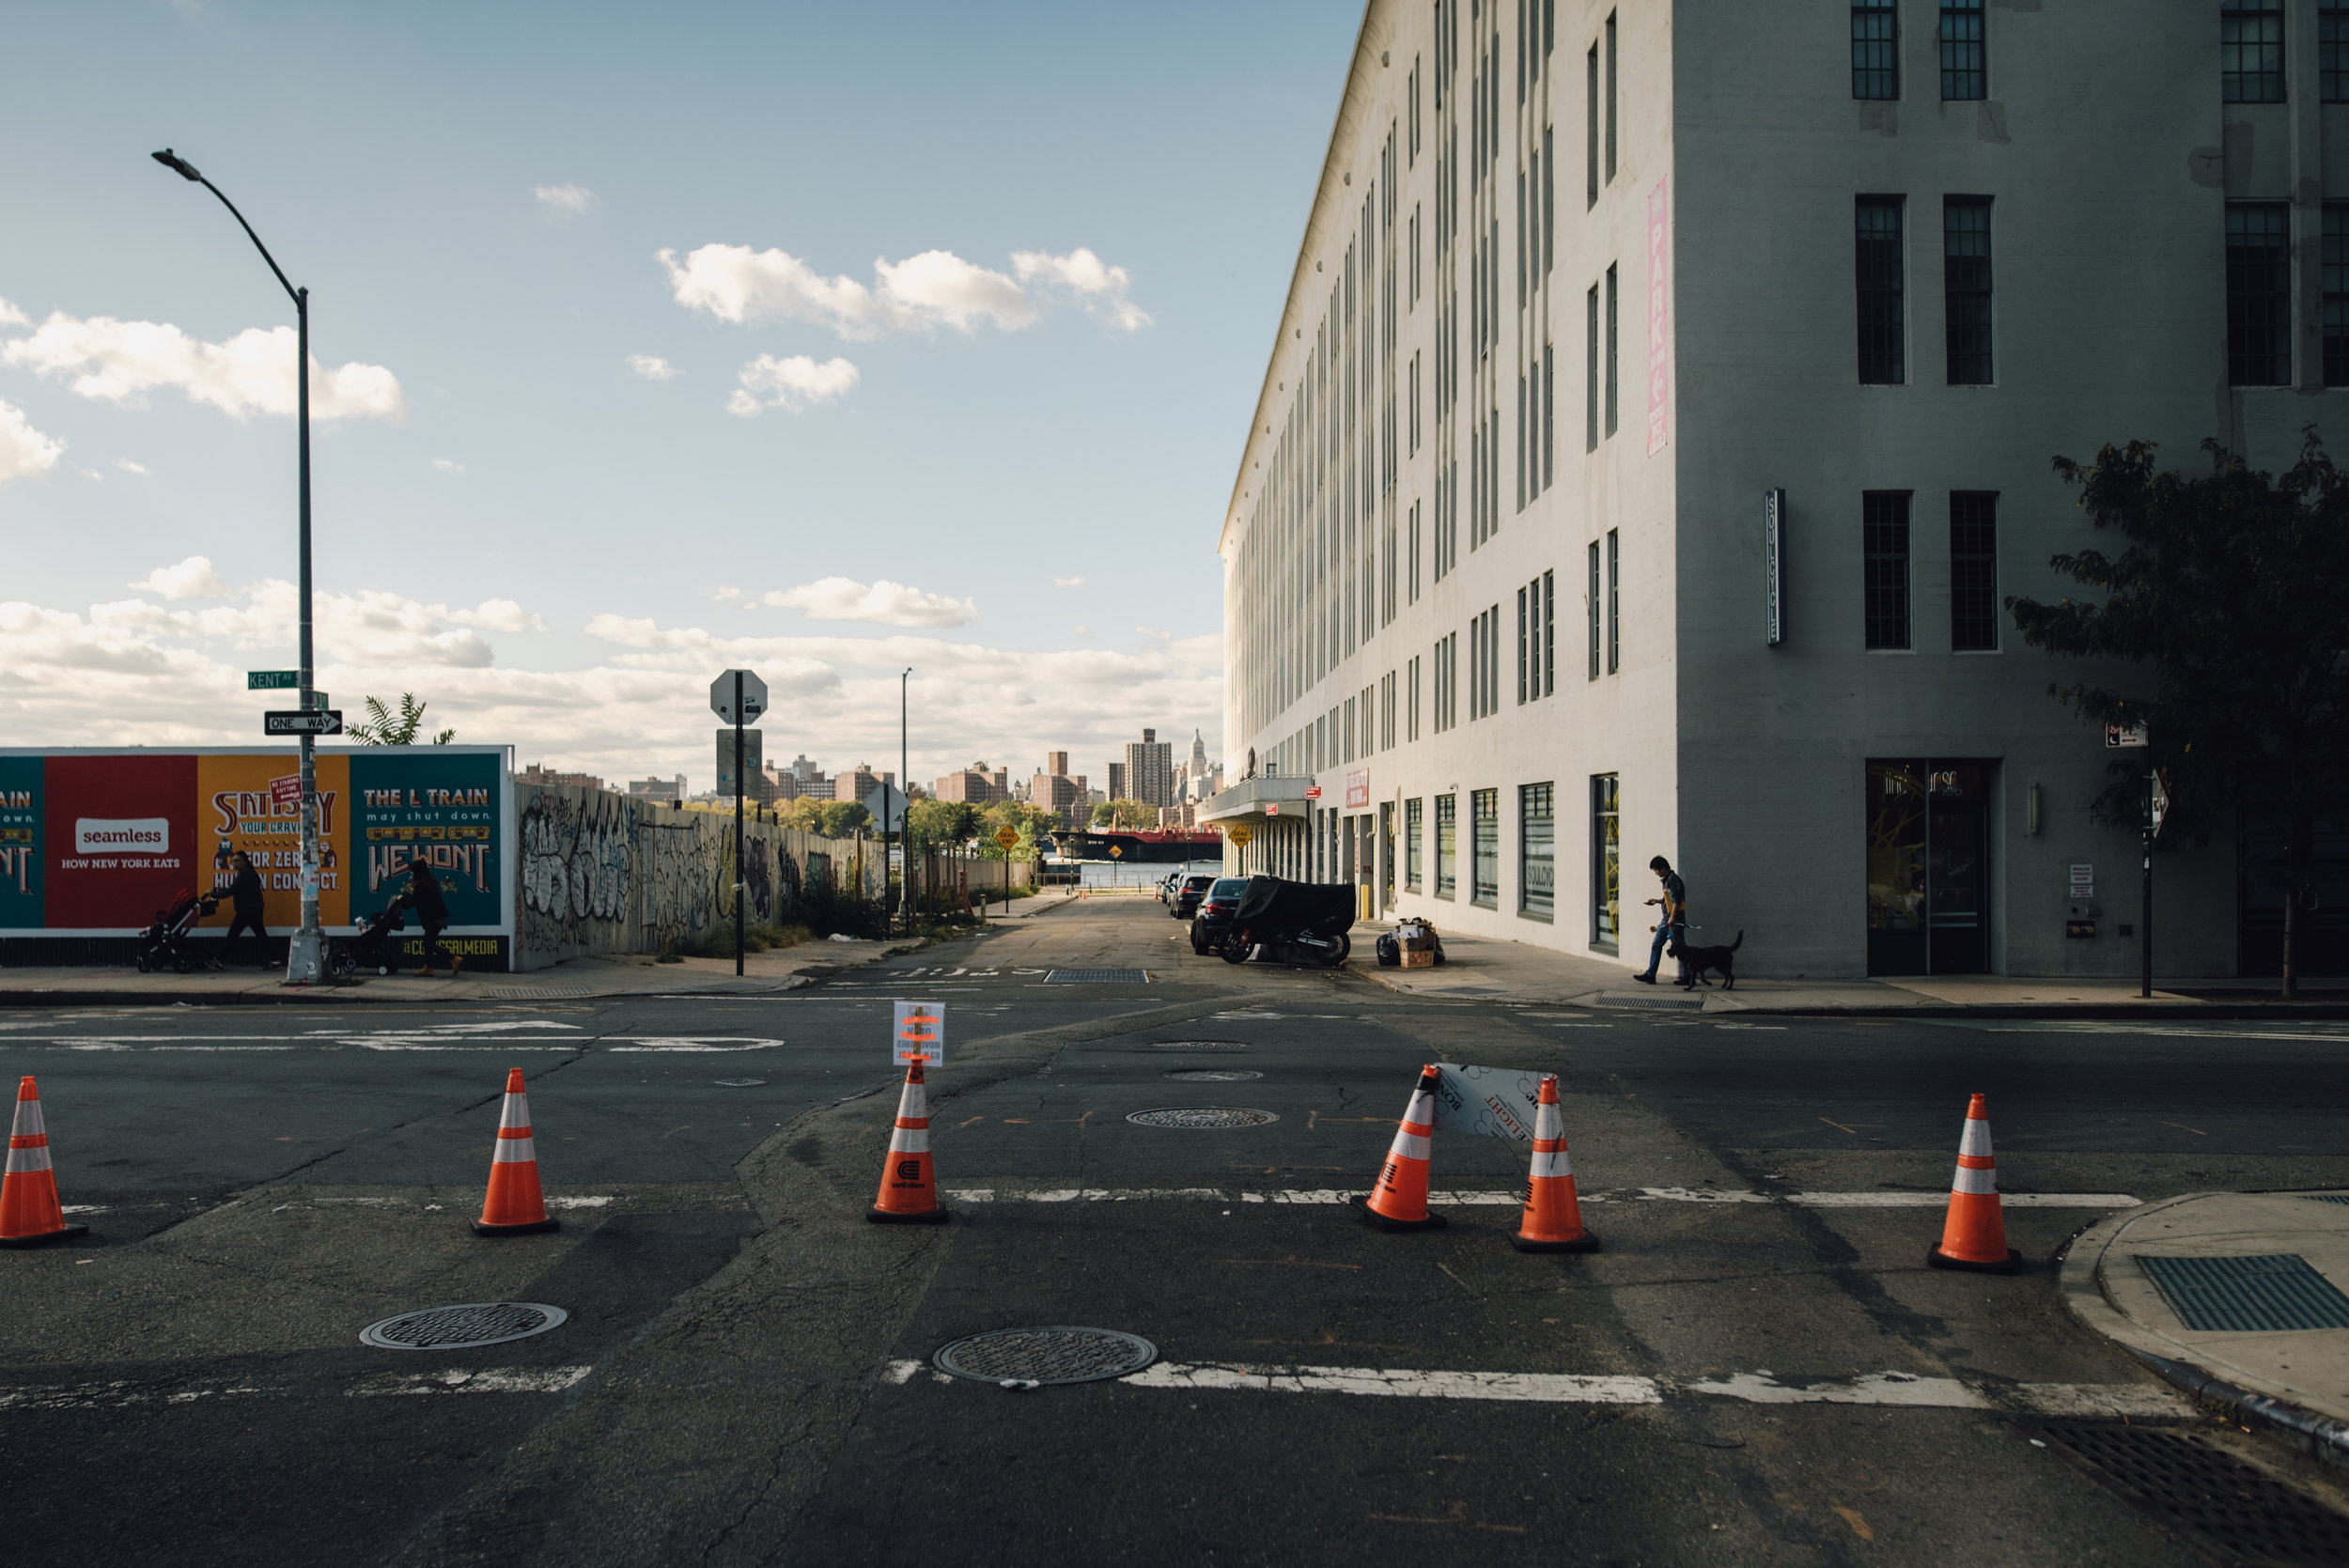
[{"x": 1249, "y": 797}]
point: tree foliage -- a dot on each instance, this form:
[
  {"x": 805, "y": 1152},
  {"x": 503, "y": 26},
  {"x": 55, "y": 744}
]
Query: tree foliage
[
  {"x": 808, "y": 814},
  {"x": 942, "y": 822},
  {"x": 384, "y": 727},
  {"x": 2223, "y": 611},
  {"x": 1029, "y": 822},
  {"x": 1124, "y": 814}
]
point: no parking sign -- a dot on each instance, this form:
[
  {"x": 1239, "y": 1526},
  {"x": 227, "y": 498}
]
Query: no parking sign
[{"x": 920, "y": 1034}]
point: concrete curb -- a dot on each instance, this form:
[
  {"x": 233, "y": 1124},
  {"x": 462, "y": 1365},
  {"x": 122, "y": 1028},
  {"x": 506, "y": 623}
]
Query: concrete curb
[{"x": 2081, "y": 1279}]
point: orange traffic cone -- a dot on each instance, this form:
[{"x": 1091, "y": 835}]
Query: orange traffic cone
[
  {"x": 1553, "y": 1215},
  {"x": 908, "y": 1187},
  {"x": 515, "y": 1207},
  {"x": 29, "y": 1214},
  {"x": 1974, "y": 1236},
  {"x": 1398, "y": 1200}
]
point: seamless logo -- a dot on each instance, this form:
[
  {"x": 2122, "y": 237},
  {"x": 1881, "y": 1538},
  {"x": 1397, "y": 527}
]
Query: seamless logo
[{"x": 137, "y": 835}]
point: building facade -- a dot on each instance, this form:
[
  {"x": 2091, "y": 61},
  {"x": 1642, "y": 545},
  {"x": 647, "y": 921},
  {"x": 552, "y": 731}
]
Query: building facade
[
  {"x": 1661, "y": 411},
  {"x": 860, "y": 782},
  {"x": 1150, "y": 770},
  {"x": 977, "y": 786}
]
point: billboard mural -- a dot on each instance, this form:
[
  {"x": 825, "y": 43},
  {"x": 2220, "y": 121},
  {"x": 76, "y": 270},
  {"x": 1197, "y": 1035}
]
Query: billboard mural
[{"x": 92, "y": 842}]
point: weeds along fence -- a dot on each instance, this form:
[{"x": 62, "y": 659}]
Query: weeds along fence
[
  {"x": 951, "y": 882},
  {"x": 600, "y": 872}
]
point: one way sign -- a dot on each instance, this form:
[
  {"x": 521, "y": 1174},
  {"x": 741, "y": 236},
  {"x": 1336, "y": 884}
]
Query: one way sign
[{"x": 295, "y": 722}]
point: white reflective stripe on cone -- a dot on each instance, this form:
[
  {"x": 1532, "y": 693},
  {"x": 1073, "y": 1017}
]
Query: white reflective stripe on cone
[
  {"x": 1976, "y": 1140},
  {"x": 1548, "y": 1123},
  {"x": 24, "y": 1162},
  {"x": 1974, "y": 1183},
  {"x": 28, "y": 1120},
  {"x": 516, "y": 1151},
  {"x": 1552, "y": 1165},
  {"x": 517, "y": 1111},
  {"x": 1422, "y": 1109},
  {"x": 1411, "y": 1146},
  {"x": 910, "y": 1141}
]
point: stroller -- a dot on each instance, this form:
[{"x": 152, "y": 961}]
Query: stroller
[
  {"x": 375, "y": 947},
  {"x": 165, "y": 941}
]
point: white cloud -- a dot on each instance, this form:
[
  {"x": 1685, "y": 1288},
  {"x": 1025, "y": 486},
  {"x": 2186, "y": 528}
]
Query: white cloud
[
  {"x": 448, "y": 465},
  {"x": 1098, "y": 287},
  {"x": 494, "y": 614},
  {"x": 841, "y": 599},
  {"x": 571, "y": 200},
  {"x": 129, "y": 467},
  {"x": 24, "y": 451},
  {"x": 1080, "y": 630},
  {"x": 12, "y": 317},
  {"x": 794, "y": 383},
  {"x": 193, "y": 577},
  {"x": 120, "y": 362},
  {"x": 653, "y": 367},
  {"x": 1068, "y": 582},
  {"x": 936, "y": 288}
]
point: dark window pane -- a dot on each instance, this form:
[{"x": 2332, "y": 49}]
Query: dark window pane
[
  {"x": 1875, "y": 70},
  {"x": 1537, "y": 855},
  {"x": 1877, "y": 267},
  {"x": 1965, "y": 69},
  {"x": 1884, "y": 544},
  {"x": 2258, "y": 295},
  {"x": 2332, "y": 53},
  {"x": 2336, "y": 295},
  {"x": 1484, "y": 842},
  {"x": 2251, "y": 51},
  {"x": 1606, "y": 863},
  {"x": 1973, "y": 570},
  {"x": 1965, "y": 274}
]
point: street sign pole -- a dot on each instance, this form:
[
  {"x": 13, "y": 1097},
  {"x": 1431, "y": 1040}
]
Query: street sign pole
[
  {"x": 2145, "y": 917},
  {"x": 737, "y": 822}
]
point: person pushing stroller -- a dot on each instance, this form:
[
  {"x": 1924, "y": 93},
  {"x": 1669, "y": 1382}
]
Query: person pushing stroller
[{"x": 423, "y": 896}]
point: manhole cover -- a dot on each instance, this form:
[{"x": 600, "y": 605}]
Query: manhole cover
[
  {"x": 1046, "y": 1355},
  {"x": 1202, "y": 1116},
  {"x": 1212, "y": 1075},
  {"x": 1198, "y": 1045},
  {"x": 455, "y": 1327},
  {"x": 1097, "y": 977},
  {"x": 2194, "y": 1486}
]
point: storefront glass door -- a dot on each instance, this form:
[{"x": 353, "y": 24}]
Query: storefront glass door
[{"x": 1928, "y": 892}]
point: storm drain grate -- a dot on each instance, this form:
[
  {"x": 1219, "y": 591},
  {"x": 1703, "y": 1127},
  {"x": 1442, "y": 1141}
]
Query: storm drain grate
[
  {"x": 2192, "y": 1486},
  {"x": 2327, "y": 1197},
  {"x": 2247, "y": 1293},
  {"x": 1058, "y": 1355},
  {"x": 1675, "y": 1003},
  {"x": 1213, "y": 1075},
  {"x": 1097, "y": 977},
  {"x": 1198, "y": 1045},
  {"x": 533, "y": 993},
  {"x": 456, "y": 1328},
  {"x": 1202, "y": 1116}
]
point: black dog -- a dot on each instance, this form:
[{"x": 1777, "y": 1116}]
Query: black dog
[{"x": 1721, "y": 960}]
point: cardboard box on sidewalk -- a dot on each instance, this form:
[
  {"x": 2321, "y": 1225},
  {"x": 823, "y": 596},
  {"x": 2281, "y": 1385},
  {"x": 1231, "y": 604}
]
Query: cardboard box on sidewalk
[{"x": 1419, "y": 957}]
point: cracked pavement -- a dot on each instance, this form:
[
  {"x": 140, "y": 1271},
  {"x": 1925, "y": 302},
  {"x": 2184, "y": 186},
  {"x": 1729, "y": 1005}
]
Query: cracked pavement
[{"x": 1756, "y": 1367}]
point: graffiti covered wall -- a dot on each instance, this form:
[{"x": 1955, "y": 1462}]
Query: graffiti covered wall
[{"x": 606, "y": 873}]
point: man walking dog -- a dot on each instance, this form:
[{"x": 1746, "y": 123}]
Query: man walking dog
[{"x": 1672, "y": 921}]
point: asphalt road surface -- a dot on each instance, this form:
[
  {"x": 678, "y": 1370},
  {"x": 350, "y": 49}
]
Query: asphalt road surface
[{"x": 1757, "y": 1367}]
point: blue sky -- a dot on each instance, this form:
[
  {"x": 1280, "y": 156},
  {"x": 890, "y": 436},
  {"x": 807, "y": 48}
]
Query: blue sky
[{"x": 523, "y": 518}]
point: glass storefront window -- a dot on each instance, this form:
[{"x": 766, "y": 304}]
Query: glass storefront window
[
  {"x": 1606, "y": 863},
  {"x": 1537, "y": 851},
  {"x": 1485, "y": 838},
  {"x": 1412, "y": 828},
  {"x": 1447, "y": 845}
]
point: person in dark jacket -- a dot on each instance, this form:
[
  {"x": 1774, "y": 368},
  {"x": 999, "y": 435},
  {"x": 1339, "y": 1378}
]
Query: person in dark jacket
[
  {"x": 423, "y": 896},
  {"x": 244, "y": 897}
]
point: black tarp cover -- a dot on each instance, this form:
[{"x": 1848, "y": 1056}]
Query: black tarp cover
[{"x": 1277, "y": 904}]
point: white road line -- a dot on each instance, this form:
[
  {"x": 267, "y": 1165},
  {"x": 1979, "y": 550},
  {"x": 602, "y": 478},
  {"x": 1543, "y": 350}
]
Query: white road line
[
  {"x": 116, "y": 1395},
  {"x": 1329, "y": 1196},
  {"x": 453, "y": 1380},
  {"x": 1898, "y": 1390}
]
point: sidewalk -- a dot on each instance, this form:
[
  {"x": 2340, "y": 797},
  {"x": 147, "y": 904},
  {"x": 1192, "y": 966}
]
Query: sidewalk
[
  {"x": 2236, "y": 1298},
  {"x": 1483, "y": 969}
]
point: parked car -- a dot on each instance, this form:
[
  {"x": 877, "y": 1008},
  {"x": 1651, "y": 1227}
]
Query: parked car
[
  {"x": 1186, "y": 894},
  {"x": 1167, "y": 885},
  {"x": 1216, "y": 909}
]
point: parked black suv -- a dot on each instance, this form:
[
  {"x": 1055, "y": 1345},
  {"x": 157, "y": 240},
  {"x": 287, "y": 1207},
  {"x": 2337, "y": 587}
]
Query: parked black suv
[
  {"x": 1215, "y": 912},
  {"x": 1184, "y": 901}
]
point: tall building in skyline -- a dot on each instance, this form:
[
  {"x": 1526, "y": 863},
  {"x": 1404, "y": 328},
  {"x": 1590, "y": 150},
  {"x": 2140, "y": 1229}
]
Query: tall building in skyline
[{"x": 1150, "y": 770}]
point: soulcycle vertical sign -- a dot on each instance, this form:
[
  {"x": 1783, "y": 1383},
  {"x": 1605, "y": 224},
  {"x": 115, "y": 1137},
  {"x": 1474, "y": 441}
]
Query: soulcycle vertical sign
[{"x": 94, "y": 843}]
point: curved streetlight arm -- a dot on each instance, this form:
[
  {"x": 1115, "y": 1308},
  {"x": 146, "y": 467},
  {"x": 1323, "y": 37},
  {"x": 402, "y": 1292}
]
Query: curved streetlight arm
[{"x": 186, "y": 170}]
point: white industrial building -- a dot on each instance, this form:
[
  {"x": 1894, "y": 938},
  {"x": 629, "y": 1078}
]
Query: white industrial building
[{"x": 1662, "y": 407}]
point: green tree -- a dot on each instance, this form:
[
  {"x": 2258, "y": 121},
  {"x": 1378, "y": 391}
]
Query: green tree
[
  {"x": 383, "y": 727},
  {"x": 1105, "y": 815},
  {"x": 942, "y": 822},
  {"x": 1029, "y": 822},
  {"x": 2226, "y": 603},
  {"x": 1127, "y": 814},
  {"x": 842, "y": 819}
]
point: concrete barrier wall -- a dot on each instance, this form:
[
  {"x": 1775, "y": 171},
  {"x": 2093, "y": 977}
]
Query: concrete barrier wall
[{"x": 605, "y": 873}]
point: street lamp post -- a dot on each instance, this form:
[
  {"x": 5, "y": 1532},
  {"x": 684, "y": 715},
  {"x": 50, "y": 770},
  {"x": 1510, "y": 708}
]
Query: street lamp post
[
  {"x": 905, "y": 786},
  {"x": 306, "y": 955}
]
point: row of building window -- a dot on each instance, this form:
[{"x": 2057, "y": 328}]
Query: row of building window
[
  {"x": 1880, "y": 271},
  {"x": 1887, "y": 622},
  {"x": 1875, "y": 50},
  {"x": 2259, "y": 293},
  {"x": 2251, "y": 52},
  {"x": 1433, "y": 862}
]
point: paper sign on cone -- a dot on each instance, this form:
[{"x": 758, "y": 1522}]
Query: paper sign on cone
[
  {"x": 920, "y": 1034},
  {"x": 1488, "y": 1102}
]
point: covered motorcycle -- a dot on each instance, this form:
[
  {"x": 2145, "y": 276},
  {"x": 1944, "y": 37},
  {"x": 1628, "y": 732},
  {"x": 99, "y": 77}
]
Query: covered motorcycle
[{"x": 1292, "y": 922}]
